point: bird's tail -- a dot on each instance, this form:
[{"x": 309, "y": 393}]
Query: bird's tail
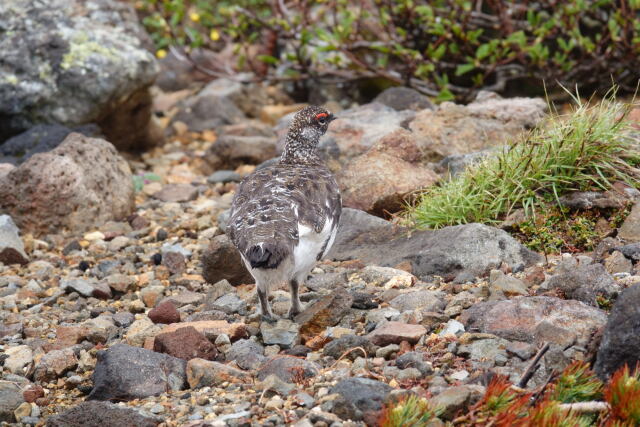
[{"x": 266, "y": 255}]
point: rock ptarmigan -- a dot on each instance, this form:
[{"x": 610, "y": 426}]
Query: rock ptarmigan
[{"x": 284, "y": 217}]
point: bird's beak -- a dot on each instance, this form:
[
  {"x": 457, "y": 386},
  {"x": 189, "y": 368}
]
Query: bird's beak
[{"x": 332, "y": 117}]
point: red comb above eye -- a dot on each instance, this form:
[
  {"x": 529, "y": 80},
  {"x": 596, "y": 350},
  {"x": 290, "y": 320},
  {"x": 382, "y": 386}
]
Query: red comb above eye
[{"x": 321, "y": 115}]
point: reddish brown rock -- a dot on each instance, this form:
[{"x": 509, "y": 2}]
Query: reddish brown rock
[
  {"x": 175, "y": 262},
  {"x": 221, "y": 260},
  {"x": 185, "y": 343},
  {"x": 380, "y": 180},
  {"x": 54, "y": 364},
  {"x": 395, "y": 333},
  {"x": 327, "y": 311},
  {"x": 32, "y": 392},
  {"x": 212, "y": 328},
  {"x": 78, "y": 185},
  {"x": 165, "y": 312}
]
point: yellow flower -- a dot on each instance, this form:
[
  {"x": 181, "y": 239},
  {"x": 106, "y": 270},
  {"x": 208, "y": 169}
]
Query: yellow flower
[
  {"x": 195, "y": 17},
  {"x": 214, "y": 35},
  {"x": 161, "y": 53}
]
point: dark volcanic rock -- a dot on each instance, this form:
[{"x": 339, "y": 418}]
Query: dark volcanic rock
[
  {"x": 584, "y": 283},
  {"x": 621, "y": 339},
  {"x": 360, "y": 399},
  {"x": 100, "y": 414},
  {"x": 124, "y": 372},
  {"x": 461, "y": 253},
  {"x": 185, "y": 343},
  {"x": 221, "y": 260},
  {"x": 231, "y": 151},
  {"x": 40, "y": 139},
  {"x": 539, "y": 319},
  {"x": 10, "y": 399}
]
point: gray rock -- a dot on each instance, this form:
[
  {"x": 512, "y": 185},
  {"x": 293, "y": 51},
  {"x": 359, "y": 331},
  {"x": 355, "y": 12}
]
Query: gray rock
[
  {"x": 10, "y": 399},
  {"x": 338, "y": 347},
  {"x": 98, "y": 414},
  {"x": 327, "y": 281},
  {"x": 19, "y": 360},
  {"x": 403, "y": 98},
  {"x": 124, "y": 372},
  {"x": 455, "y": 399},
  {"x": 84, "y": 287},
  {"x": 247, "y": 354},
  {"x": 484, "y": 349},
  {"x": 79, "y": 185},
  {"x": 207, "y": 110},
  {"x": 455, "y": 164},
  {"x": 461, "y": 253},
  {"x": 506, "y": 285},
  {"x": 11, "y": 246},
  {"x": 231, "y": 151},
  {"x": 40, "y": 139},
  {"x": 489, "y": 121},
  {"x": 67, "y": 65},
  {"x": 205, "y": 373},
  {"x": 414, "y": 359},
  {"x": 620, "y": 343},
  {"x": 54, "y": 364},
  {"x": 536, "y": 319},
  {"x": 123, "y": 319},
  {"x": 419, "y": 300},
  {"x": 584, "y": 283},
  {"x": 284, "y": 333},
  {"x": 631, "y": 251},
  {"x": 224, "y": 176},
  {"x": 177, "y": 193},
  {"x": 288, "y": 368},
  {"x": 360, "y": 399},
  {"x": 230, "y": 303},
  {"x": 630, "y": 229}
]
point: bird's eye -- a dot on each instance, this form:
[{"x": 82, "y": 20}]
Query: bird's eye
[{"x": 322, "y": 120}]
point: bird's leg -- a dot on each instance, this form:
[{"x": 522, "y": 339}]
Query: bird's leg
[
  {"x": 265, "y": 308},
  {"x": 295, "y": 308}
]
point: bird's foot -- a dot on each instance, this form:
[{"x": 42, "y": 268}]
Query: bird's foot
[
  {"x": 269, "y": 318},
  {"x": 292, "y": 313}
]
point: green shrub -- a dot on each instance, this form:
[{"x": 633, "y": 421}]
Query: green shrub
[
  {"x": 588, "y": 148},
  {"x": 444, "y": 48}
]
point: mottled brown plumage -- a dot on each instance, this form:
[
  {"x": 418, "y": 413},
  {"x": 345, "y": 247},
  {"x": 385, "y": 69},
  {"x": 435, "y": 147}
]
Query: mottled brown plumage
[{"x": 284, "y": 217}]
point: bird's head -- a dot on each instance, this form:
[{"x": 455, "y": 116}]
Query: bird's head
[{"x": 308, "y": 125}]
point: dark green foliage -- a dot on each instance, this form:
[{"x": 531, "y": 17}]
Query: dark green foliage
[{"x": 444, "y": 48}]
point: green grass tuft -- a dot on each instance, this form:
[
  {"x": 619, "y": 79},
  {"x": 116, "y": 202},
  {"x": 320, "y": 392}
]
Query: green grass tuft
[
  {"x": 588, "y": 148},
  {"x": 412, "y": 411}
]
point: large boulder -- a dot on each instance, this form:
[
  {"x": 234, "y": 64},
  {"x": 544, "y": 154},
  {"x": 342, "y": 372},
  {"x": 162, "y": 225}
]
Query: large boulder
[
  {"x": 124, "y": 372},
  {"x": 97, "y": 414},
  {"x": 380, "y": 180},
  {"x": 621, "y": 339},
  {"x": 73, "y": 62},
  {"x": 536, "y": 319},
  {"x": 460, "y": 253},
  {"x": 79, "y": 185},
  {"x": 489, "y": 121}
]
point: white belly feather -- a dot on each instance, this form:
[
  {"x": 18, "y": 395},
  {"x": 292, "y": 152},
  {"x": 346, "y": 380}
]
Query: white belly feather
[{"x": 310, "y": 244}]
